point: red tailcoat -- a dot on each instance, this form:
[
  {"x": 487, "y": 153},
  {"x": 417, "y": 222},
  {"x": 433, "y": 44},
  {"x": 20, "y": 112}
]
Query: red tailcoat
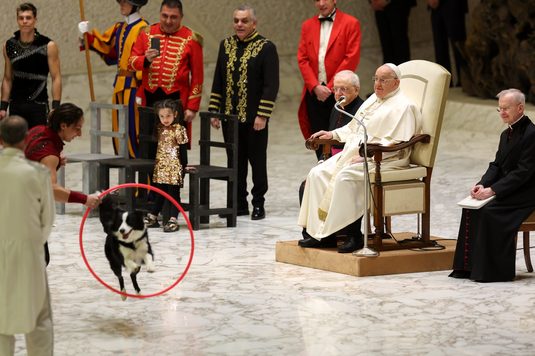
[
  {"x": 343, "y": 52},
  {"x": 179, "y": 67}
]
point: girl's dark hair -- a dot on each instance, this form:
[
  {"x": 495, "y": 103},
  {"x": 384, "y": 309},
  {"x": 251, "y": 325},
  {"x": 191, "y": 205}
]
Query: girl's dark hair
[
  {"x": 174, "y": 105},
  {"x": 66, "y": 113}
]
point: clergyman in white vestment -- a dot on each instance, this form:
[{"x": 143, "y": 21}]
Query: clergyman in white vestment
[{"x": 334, "y": 192}]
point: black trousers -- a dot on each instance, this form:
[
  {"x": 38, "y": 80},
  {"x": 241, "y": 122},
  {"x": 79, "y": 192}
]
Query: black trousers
[
  {"x": 47, "y": 254},
  {"x": 159, "y": 200},
  {"x": 319, "y": 113},
  {"x": 33, "y": 112},
  {"x": 392, "y": 25},
  {"x": 448, "y": 24},
  {"x": 252, "y": 149}
]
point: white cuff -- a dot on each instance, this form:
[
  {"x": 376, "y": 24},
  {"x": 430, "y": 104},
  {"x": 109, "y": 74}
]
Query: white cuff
[{"x": 83, "y": 27}]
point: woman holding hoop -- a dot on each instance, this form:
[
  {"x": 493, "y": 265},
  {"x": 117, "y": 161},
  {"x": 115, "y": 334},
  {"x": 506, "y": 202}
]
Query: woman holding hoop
[{"x": 44, "y": 144}]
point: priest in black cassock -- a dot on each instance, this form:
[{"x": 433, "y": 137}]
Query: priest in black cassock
[
  {"x": 346, "y": 84},
  {"x": 486, "y": 249}
]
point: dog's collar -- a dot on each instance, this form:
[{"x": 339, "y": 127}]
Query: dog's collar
[{"x": 131, "y": 245}]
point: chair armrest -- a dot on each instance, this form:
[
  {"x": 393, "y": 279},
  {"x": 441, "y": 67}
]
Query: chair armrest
[
  {"x": 374, "y": 147},
  {"x": 315, "y": 143}
]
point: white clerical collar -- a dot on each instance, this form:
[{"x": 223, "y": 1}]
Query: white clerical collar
[
  {"x": 517, "y": 120},
  {"x": 132, "y": 18}
]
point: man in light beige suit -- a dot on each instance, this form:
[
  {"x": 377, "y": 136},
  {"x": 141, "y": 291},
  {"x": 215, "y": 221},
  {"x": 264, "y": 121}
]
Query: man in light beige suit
[{"x": 26, "y": 217}]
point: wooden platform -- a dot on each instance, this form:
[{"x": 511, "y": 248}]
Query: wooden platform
[{"x": 388, "y": 262}]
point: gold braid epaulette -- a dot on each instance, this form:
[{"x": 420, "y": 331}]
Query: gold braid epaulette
[
  {"x": 197, "y": 37},
  {"x": 146, "y": 29}
]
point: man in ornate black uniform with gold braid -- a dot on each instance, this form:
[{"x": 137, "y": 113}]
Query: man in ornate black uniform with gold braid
[{"x": 246, "y": 82}]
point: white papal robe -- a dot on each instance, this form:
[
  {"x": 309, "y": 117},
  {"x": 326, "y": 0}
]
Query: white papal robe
[
  {"x": 26, "y": 217},
  {"x": 334, "y": 190}
]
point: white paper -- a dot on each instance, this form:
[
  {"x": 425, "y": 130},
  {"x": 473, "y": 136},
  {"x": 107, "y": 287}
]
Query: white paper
[{"x": 472, "y": 203}]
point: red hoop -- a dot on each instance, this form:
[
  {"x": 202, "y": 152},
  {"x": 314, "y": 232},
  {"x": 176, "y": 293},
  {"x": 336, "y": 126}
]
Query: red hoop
[{"x": 175, "y": 203}]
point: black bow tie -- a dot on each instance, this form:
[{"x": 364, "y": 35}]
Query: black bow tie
[{"x": 328, "y": 18}]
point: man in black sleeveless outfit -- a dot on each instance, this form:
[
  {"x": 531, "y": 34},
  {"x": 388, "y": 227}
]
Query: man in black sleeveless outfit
[{"x": 29, "y": 58}]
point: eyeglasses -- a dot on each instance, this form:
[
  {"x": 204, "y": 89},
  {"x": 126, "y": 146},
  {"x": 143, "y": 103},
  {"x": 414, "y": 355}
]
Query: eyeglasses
[
  {"x": 382, "y": 80},
  {"x": 503, "y": 108},
  {"x": 342, "y": 89}
]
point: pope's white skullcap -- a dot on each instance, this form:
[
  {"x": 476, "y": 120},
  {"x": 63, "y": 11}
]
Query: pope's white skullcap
[{"x": 394, "y": 68}]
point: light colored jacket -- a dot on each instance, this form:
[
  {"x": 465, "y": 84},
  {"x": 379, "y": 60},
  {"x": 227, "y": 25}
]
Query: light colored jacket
[{"x": 26, "y": 217}]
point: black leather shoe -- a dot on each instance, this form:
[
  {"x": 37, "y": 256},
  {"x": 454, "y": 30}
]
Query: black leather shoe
[
  {"x": 353, "y": 243},
  {"x": 460, "y": 274},
  {"x": 258, "y": 213},
  {"x": 326, "y": 242},
  {"x": 309, "y": 242}
]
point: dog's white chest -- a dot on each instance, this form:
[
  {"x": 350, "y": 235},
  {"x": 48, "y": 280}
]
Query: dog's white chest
[{"x": 136, "y": 255}]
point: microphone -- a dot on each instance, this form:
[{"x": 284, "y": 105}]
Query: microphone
[
  {"x": 341, "y": 100},
  {"x": 365, "y": 251}
]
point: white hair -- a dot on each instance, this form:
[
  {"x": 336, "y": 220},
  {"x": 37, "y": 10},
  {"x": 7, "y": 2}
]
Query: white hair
[
  {"x": 519, "y": 97},
  {"x": 350, "y": 75}
]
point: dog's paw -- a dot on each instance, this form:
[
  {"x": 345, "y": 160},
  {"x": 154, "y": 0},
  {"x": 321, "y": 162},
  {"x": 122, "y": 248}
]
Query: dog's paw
[
  {"x": 123, "y": 297},
  {"x": 151, "y": 268}
]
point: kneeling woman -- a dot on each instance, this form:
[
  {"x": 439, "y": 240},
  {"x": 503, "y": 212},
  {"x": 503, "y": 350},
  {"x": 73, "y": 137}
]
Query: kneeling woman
[{"x": 44, "y": 144}]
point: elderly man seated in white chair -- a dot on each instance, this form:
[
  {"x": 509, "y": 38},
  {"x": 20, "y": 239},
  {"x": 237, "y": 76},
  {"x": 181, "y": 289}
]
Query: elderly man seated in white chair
[{"x": 334, "y": 192}]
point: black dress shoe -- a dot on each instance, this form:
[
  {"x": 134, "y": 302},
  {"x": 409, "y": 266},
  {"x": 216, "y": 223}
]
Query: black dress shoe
[
  {"x": 309, "y": 241},
  {"x": 352, "y": 243},
  {"x": 258, "y": 213},
  {"x": 460, "y": 274}
]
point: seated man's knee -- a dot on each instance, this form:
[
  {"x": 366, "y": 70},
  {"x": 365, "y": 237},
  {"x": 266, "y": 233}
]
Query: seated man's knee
[
  {"x": 317, "y": 172},
  {"x": 346, "y": 177}
]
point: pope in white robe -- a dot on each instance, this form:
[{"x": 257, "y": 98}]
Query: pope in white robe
[
  {"x": 26, "y": 217},
  {"x": 334, "y": 190}
]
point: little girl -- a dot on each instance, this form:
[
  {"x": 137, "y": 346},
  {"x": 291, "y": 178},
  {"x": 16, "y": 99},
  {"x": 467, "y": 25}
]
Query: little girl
[{"x": 168, "y": 169}]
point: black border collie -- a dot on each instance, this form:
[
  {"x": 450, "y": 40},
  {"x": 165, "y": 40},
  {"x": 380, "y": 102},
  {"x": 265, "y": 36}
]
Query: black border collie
[{"x": 127, "y": 241}]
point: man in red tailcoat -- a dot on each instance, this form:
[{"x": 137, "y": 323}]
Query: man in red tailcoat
[{"x": 330, "y": 42}]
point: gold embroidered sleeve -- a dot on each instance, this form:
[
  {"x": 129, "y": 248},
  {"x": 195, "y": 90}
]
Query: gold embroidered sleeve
[{"x": 197, "y": 37}]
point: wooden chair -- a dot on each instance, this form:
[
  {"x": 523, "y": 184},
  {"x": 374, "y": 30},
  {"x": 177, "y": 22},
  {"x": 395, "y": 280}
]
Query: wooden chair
[
  {"x": 201, "y": 174},
  {"x": 130, "y": 168},
  {"x": 527, "y": 226},
  {"x": 408, "y": 191},
  {"x": 91, "y": 162}
]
